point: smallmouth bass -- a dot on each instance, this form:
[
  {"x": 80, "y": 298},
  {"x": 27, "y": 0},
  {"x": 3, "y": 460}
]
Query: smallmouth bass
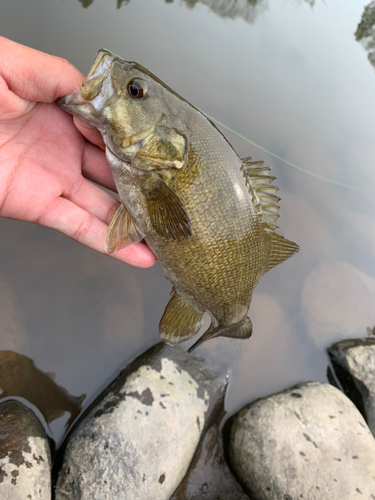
[{"x": 207, "y": 215}]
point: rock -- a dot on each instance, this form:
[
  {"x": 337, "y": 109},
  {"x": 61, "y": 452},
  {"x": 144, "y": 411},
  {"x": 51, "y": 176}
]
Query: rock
[
  {"x": 309, "y": 442},
  {"x": 139, "y": 437},
  {"x": 209, "y": 477},
  {"x": 25, "y": 457},
  {"x": 354, "y": 365}
]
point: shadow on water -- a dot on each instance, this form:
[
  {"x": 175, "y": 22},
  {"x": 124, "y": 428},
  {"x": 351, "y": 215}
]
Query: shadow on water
[
  {"x": 366, "y": 31},
  {"x": 19, "y": 377}
]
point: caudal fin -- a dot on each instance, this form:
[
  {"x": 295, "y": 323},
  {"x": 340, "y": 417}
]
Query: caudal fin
[{"x": 241, "y": 330}]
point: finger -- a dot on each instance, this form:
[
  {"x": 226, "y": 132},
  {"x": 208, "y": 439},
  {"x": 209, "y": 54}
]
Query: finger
[
  {"x": 88, "y": 230},
  {"x": 92, "y": 199},
  {"x": 96, "y": 168},
  {"x": 11, "y": 105},
  {"x": 91, "y": 133},
  {"x": 34, "y": 75}
]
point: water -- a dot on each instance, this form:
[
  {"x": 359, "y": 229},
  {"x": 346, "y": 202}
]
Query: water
[{"x": 292, "y": 78}]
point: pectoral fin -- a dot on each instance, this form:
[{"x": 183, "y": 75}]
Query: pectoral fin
[
  {"x": 167, "y": 212},
  {"x": 164, "y": 148},
  {"x": 122, "y": 231},
  {"x": 181, "y": 320}
]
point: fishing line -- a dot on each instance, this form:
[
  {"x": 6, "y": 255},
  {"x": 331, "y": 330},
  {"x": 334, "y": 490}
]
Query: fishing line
[{"x": 301, "y": 169}]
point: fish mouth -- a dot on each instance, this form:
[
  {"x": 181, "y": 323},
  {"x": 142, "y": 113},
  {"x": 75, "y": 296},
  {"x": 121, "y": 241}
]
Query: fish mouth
[
  {"x": 71, "y": 101},
  {"x": 76, "y": 105},
  {"x": 88, "y": 100}
]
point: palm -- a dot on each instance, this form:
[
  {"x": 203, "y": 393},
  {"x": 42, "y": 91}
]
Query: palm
[
  {"x": 46, "y": 164},
  {"x": 43, "y": 155}
]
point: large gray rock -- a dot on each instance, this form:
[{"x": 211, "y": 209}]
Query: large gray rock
[
  {"x": 309, "y": 442},
  {"x": 354, "y": 364},
  {"x": 138, "y": 439},
  {"x": 25, "y": 458}
]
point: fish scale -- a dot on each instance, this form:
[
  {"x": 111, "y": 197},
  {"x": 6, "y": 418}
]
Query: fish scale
[
  {"x": 207, "y": 215},
  {"x": 222, "y": 288}
]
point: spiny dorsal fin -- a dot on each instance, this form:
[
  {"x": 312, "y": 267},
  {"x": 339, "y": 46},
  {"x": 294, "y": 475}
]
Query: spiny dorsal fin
[
  {"x": 259, "y": 184},
  {"x": 280, "y": 249}
]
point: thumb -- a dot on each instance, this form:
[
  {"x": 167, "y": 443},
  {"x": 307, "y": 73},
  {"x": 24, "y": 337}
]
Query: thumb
[{"x": 34, "y": 75}]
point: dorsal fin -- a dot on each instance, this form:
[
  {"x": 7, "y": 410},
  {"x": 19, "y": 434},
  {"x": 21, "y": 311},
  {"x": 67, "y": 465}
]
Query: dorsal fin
[
  {"x": 259, "y": 182},
  {"x": 280, "y": 249},
  {"x": 264, "y": 197}
]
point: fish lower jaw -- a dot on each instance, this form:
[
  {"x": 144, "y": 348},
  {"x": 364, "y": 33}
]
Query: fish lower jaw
[
  {"x": 121, "y": 156},
  {"x": 133, "y": 149}
]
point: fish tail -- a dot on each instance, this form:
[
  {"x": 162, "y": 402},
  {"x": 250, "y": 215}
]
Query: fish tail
[{"x": 240, "y": 330}]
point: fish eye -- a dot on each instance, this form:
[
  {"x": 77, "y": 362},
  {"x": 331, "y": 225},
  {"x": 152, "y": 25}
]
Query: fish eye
[{"x": 137, "y": 89}]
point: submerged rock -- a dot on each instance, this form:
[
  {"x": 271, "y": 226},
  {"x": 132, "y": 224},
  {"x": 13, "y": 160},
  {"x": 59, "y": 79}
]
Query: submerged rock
[
  {"x": 25, "y": 457},
  {"x": 309, "y": 442},
  {"x": 354, "y": 364},
  {"x": 209, "y": 476},
  {"x": 139, "y": 437}
]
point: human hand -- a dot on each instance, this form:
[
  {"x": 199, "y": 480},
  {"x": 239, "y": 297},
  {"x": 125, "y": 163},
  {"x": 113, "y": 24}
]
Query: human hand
[{"x": 46, "y": 165}]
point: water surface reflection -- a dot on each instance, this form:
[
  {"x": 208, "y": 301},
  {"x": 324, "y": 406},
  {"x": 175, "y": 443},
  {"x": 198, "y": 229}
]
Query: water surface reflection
[
  {"x": 366, "y": 31},
  {"x": 296, "y": 82},
  {"x": 246, "y": 9},
  {"x": 19, "y": 377}
]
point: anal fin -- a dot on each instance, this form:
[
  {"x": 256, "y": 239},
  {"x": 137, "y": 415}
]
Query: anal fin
[
  {"x": 181, "y": 320},
  {"x": 122, "y": 231}
]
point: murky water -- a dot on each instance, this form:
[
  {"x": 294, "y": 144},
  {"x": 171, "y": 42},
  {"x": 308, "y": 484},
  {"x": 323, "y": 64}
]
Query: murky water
[{"x": 292, "y": 78}]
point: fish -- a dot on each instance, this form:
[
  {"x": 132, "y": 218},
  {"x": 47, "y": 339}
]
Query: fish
[{"x": 209, "y": 216}]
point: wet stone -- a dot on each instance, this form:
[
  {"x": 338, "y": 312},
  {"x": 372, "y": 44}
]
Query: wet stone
[
  {"x": 354, "y": 364},
  {"x": 25, "y": 457},
  {"x": 139, "y": 437},
  {"x": 309, "y": 442},
  {"x": 209, "y": 476}
]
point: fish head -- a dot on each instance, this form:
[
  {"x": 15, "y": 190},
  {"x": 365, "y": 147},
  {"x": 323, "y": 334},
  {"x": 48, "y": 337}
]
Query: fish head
[{"x": 129, "y": 106}]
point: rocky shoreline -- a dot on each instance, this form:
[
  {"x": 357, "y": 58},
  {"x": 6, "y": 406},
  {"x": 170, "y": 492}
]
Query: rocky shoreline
[{"x": 154, "y": 433}]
